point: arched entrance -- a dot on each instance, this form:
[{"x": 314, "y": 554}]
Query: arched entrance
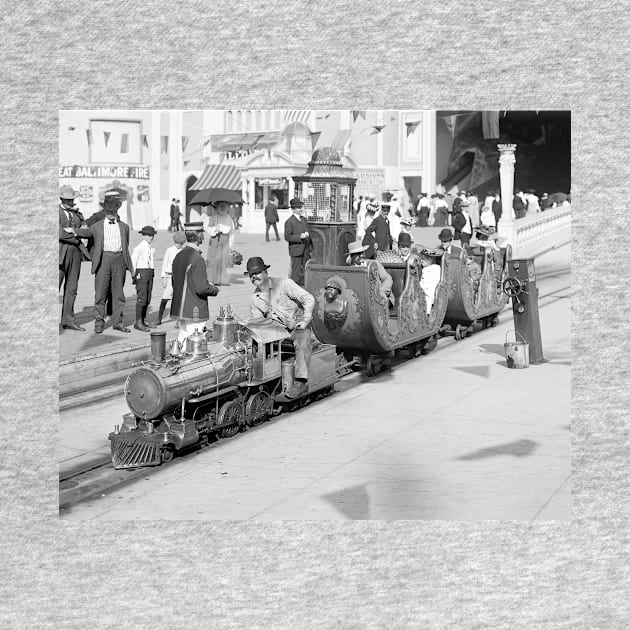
[{"x": 189, "y": 195}]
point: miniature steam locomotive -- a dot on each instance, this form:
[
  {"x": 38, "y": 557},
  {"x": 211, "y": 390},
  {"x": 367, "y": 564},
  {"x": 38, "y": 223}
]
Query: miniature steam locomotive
[{"x": 216, "y": 387}]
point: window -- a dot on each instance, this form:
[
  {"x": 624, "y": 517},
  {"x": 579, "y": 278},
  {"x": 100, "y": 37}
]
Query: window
[{"x": 116, "y": 142}]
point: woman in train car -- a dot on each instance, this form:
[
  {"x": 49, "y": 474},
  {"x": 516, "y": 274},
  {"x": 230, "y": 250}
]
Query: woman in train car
[{"x": 431, "y": 272}]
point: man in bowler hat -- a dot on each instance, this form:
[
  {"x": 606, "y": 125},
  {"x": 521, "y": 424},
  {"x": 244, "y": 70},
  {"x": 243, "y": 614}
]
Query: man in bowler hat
[
  {"x": 296, "y": 234},
  {"x": 110, "y": 261},
  {"x": 143, "y": 260},
  {"x": 285, "y": 302},
  {"x": 71, "y": 253}
]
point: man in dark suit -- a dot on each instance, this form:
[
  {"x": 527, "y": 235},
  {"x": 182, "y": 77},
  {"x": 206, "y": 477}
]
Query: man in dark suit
[
  {"x": 379, "y": 228},
  {"x": 296, "y": 234},
  {"x": 110, "y": 261},
  {"x": 72, "y": 253},
  {"x": 191, "y": 288},
  {"x": 497, "y": 208},
  {"x": 271, "y": 218}
]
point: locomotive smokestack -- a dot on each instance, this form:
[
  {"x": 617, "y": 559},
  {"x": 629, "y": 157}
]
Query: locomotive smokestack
[{"x": 158, "y": 346}]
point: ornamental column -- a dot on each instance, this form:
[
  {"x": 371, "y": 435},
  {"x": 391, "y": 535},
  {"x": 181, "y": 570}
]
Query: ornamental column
[{"x": 507, "y": 227}]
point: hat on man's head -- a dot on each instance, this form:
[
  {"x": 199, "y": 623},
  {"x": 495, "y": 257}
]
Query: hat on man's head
[
  {"x": 67, "y": 192},
  {"x": 296, "y": 203},
  {"x": 255, "y": 264},
  {"x": 445, "y": 235},
  {"x": 356, "y": 247},
  {"x": 179, "y": 238},
  {"x": 112, "y": 198},
  {"x": 194, "y": 226},
  {"x": 404, "y": 239},
  {"x": 148, "y": 230}
]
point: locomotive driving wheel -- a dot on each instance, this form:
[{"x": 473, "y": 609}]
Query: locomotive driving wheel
[
  {"x": 230, "y": 414},
  {"x": 257, "y": 409}
]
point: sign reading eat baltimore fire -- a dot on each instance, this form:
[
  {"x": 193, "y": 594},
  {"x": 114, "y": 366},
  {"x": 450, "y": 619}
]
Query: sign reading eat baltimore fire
[{"x": 129, "y": 172}]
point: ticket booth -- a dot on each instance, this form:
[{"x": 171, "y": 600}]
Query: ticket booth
[{"x": 327, "y": 191}]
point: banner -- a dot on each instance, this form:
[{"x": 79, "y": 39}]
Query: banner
[{"x": 127, "y": 172}]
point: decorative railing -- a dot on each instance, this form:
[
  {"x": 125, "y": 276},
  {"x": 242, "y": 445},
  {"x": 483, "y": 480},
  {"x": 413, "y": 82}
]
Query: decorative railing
[{"x": 541, "y": 233}]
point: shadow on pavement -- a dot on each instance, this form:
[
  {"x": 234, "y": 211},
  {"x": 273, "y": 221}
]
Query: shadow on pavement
[
  {"x": 352, "y": 502},
  {"x": 477, "y": 370},
  {"x": 520, "y": 448},
  {"x": 493, "y": 348}
]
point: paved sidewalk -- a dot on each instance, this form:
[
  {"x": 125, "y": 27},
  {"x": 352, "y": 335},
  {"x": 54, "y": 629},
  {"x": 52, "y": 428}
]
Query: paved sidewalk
[{"x": 455, "y": 435}]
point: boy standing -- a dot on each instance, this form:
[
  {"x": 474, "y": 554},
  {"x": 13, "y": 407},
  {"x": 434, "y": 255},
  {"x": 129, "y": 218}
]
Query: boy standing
[
  {"x": 179, "y": 238},
  {"x": 142, "y": 258}
]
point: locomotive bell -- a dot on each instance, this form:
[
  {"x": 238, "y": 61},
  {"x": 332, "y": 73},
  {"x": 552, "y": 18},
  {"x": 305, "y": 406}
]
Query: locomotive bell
[
  {"x": 196, "y": 344},
  {"x": 224, "y": 327}
]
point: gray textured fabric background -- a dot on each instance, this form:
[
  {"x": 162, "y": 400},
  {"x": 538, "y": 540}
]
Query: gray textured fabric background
[{"x": 405, "y": 574}]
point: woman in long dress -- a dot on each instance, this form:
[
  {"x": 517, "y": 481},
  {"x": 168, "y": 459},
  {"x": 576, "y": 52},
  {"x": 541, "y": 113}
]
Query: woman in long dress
[{"x": 219, "y": 229}]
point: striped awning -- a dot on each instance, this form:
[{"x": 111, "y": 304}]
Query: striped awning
[
  {"x": 297, "y": 115},
  {"x": 218, "y": 176}
]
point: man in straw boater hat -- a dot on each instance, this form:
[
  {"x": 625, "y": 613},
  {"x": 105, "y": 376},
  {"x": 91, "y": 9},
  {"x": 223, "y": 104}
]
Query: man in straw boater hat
[
  {"x": 191, "y": 288},
  {"x": 285, "y": 302},
  {"x": 71, "y": 253},
  {"x": 356, "y": 258},
  {"x": 110, "y": 261}
]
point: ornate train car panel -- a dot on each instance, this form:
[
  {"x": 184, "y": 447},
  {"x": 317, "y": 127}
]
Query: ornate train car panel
[
  {"x": 476, "y": 298},
  {"x": 358, "y": 319}
]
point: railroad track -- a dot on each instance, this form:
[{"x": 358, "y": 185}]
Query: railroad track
[{"x": 91, "y": 480}]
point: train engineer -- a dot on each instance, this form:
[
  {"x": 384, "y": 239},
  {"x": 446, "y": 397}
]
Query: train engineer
[{"x": 285, "y": 302}]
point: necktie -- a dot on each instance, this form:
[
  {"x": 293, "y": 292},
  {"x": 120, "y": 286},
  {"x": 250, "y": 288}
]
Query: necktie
[{"x": 112, "y": 222}]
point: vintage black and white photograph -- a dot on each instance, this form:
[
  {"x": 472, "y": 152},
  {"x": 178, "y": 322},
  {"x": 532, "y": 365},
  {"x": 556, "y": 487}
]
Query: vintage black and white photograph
[{"x": 314, "y": 315}]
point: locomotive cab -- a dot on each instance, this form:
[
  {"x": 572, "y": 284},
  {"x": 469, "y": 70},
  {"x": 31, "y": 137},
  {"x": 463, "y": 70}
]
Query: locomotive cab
[{"x": 266, "y": 340}]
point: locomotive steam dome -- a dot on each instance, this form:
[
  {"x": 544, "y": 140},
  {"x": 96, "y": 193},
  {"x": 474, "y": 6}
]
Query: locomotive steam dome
[{"x": 145, "y": 393}]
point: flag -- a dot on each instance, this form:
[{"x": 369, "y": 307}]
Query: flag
[
  {"x": 164, "y": 144},
  {"x": 377, "y": 129},
  {"x": 315, "y": 138},
  {"x": 490, "y": 125},
  {"x": 145, "y": 142},
  {"x": 106, "y": 134},
  {"x": 88, "y": 133},
  {"x": 185, "y": 140},
  {"x": 356, "y": 113},
  {"x": 124, "y": 143},
  {"x": 412, "y": 126}
]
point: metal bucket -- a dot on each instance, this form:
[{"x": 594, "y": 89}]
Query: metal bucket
[
  {"x": 288, "y": 374},
  {"x": 516, "y": 352}
]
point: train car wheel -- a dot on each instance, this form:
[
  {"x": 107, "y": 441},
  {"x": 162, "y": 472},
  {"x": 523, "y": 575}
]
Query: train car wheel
[
  {"x": 257, "y": 409},
  {"x": 230, "y": 414}
]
